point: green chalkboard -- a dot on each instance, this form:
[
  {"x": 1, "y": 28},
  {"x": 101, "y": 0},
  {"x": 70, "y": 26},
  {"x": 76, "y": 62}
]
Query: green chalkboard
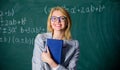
[{"x": 95, "y": 23}]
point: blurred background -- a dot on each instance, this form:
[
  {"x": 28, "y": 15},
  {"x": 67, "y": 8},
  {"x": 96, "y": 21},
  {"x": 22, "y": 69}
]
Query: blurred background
[{"x": 95, "y": 24}]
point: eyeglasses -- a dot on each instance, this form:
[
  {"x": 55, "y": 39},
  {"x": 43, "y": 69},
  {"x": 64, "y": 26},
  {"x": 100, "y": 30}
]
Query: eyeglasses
[{"x": 60, "y": 19}]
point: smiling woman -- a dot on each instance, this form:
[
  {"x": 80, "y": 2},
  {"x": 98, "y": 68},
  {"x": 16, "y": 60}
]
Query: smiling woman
[
  {"x": 66, "y": 24},
  {"x": 58, "y": 25}
]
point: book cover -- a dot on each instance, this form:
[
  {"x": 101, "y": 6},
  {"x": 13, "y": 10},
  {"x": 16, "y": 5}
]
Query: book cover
[{"x": 55, "y": 47}]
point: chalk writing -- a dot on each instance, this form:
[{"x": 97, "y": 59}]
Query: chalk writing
[
  {"x": 13, "y": 21},
  {"x": 8, "y": 30},
  {"x": 7, "y": 13},
  {"x": 17, "y": 40},
  {"x": 32, "y": 30},
  {"x": 12, "y": 26},
  {"x": 23, "y": 30},
  {"x": 80, "y": 9}
]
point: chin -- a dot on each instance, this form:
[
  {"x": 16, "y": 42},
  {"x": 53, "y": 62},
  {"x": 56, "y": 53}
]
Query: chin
[{"x": 58, "y": 28}]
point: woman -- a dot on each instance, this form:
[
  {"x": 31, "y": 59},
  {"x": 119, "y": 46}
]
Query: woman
[{"x": 59, "y": 24}]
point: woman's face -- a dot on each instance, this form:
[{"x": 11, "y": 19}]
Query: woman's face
[{"x": 58, "y": 21}]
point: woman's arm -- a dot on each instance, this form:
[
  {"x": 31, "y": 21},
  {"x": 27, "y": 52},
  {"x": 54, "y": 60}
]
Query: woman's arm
[
  {"x": 37, "y": 64},
  {"x": 46, "y": 57},
  {"x": 41, "y": 55},
  {"x": 73, "y": 61}
]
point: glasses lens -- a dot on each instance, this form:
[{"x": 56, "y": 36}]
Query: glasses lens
[
  {"x": 62, "y": 18},
  {"x": 53, "y": 18}
]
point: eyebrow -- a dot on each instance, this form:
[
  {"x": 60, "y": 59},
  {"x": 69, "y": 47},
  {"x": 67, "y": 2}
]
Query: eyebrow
[{"x": 58, "y": 16}]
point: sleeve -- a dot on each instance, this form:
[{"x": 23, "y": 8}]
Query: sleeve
[
  {"x": 37, "y": 63},
  {"x": 73, "y": 61},
  {"x": 55, "y": 67}
]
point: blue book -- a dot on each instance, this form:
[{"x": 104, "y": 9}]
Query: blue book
[{"x": 55, "y": 47}]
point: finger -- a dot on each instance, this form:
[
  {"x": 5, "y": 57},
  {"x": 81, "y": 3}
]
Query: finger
[{"x": 48, "y": 49}]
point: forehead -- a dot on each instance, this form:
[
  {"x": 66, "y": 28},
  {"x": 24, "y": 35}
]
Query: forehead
[{"x": 57, "y": 13}]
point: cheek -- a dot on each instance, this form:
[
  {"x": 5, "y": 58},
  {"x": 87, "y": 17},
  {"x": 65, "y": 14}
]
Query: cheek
[
  {"x": 64, "y": 24},
  {"x": 52, "y": 25}
]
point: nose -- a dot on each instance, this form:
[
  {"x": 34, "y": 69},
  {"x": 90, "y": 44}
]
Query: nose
[{"x": 58, "y": 20}]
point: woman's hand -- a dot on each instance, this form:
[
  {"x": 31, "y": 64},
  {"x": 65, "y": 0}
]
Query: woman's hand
[{"x": 46, "y": 57}]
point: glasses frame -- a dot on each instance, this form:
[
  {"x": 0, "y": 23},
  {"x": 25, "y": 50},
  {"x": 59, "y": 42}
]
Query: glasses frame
[{"x": 60, "y": 18}]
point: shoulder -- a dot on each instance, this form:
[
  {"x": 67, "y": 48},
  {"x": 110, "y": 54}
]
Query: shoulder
[
  {"x": 73, "y": 42},
  {"x": 43, "y": 36}
]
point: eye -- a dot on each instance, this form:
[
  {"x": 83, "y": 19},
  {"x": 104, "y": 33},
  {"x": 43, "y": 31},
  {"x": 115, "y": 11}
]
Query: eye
[
  {"x": 62, "y": 18},
  {"x": 53, "y": 18}
]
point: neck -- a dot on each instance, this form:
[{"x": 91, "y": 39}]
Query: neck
[{"x": 58, "y": 35}]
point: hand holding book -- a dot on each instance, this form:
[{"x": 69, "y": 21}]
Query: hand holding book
[{"x": 46, "y": 57}]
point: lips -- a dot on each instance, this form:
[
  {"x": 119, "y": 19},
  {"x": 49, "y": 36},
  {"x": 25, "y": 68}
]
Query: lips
[{"x": 57, "y": 25}]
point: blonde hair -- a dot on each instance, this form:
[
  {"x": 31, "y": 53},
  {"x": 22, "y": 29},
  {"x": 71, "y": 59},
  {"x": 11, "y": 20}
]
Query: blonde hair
[{"x": 65, "y": 13}]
